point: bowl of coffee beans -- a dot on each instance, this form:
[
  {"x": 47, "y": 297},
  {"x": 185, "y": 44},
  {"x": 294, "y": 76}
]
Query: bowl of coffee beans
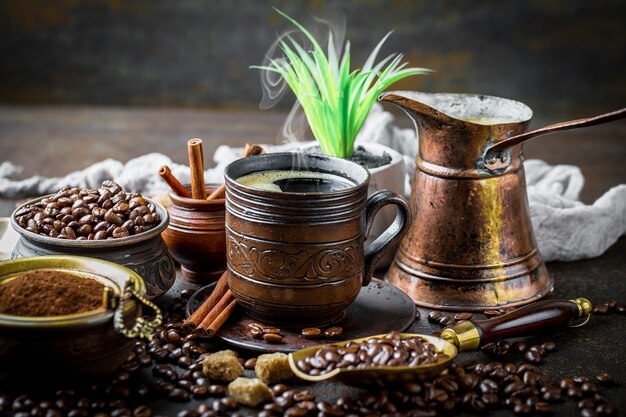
[
  {"x": 70, "y": 315},
  {"x": 376, "y": 360},
  {"x": 106, "y": 223}
]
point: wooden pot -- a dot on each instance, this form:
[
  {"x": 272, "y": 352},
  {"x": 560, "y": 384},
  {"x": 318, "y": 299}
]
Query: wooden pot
[{"x": 195, "y": 237}]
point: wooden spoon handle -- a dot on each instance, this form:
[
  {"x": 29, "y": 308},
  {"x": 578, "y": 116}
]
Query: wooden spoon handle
[
  {"x": 530, "y": 319},
  {"x": 533, "y": 318}
]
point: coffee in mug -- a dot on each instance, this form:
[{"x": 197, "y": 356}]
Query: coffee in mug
[{"x": 295, "y": 181}]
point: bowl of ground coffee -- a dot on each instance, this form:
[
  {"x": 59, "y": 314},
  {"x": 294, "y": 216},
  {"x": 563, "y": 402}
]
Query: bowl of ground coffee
[
  {"x": 106, "y": 223},
  {"x": 70, "y": 314}
]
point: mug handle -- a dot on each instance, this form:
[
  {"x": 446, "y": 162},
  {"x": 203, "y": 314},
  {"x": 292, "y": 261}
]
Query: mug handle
[{"x": 376, "y": 250}]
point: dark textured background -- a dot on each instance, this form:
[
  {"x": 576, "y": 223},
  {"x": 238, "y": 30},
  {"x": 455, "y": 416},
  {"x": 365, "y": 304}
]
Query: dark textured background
[{"x": 562, "y": 57}]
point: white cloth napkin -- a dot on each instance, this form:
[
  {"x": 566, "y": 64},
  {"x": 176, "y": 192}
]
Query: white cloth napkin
[{"x": 566, "y": 229}]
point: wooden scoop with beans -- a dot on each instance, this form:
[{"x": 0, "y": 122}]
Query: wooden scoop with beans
[{"x": 403, "y": 357}]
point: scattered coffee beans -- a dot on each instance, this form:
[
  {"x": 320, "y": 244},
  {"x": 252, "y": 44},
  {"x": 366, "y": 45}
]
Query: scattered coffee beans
[
  {"x": 608, "y": 306},
  {"x": 267, "y": 333},
  {"x": 315, "y": 333},
  {"x": 439, "y": 318},
  {"x": 498, "y": 311},
  {"x": 533, "y": 354},
  {"x": 89, "y": 214},
  {"x": 476, "y": 389},
  {"x": 390, "y": 350}
]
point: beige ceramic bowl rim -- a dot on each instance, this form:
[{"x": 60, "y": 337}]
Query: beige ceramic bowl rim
[
  {"x": 95, "y": 244},
  {"x": 70, "y": 264}
]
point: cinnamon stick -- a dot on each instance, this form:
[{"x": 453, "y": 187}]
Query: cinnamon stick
[
  {"x": 196, "y": 164},
  {"x": 205, "y": 308},
  {"x": 220, "y": 192},
  {"x": 248, "y": 150},
  {"x": 216, "y": 311},
  {"x": 166, "y": 173},
  {"x": 221, "y": 318}
]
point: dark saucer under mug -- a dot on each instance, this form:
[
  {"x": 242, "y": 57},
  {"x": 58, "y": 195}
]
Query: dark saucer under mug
[{"x": 379, "y": 308}]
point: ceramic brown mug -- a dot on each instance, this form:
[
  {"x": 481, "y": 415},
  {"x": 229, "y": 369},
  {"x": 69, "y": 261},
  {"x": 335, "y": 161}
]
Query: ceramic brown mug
[{"x": 299, "y": 258}]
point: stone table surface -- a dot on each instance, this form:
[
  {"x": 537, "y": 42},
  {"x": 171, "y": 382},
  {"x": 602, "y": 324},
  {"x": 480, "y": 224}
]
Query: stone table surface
[{"x": 52, "y": 141}]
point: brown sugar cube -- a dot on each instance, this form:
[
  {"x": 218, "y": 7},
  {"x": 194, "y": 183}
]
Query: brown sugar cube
[
  {"x": 272, "y": 368},
  {"x": 250, "y": 391},
  {"x": 222, "y": 366}
]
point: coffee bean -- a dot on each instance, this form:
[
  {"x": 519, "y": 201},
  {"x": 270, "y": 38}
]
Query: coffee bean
[
  {"x": 532, "y": 356},
  {"x": 199, "y": 391},
  {"x": 574, "y": 392},
  {"x": 604, "y": 378},
  {"x": 303, "y": 396},
  {"x": 279, "y": 389},
  {"x": 490, "y": 399},
  {"x": 463, "y": 316},
  {"x": 333, "y": 332},
  {"x": 536, "y": 348},
  {"x": 188, "y": 413},
  {"x": 446, "y": 321},
  {"x": 488, "y": 386},
  {"x": 434, "y": 316},
  {"x": 502, "y": 347},
  {"x": 184, "y": 361},
  {"x": 606, "y": 410},
  {"x": 270, "y": 330},
  {"x": 230, "y": 403},
  {"x": 272, "y": 338},
  {"x": 295, "y": 412},
  {"x": 530, "y": 378},
  {"x": 602, "y": 308},
  {"x": 522, "y": 409},
  {"x": 311, "y": 333},
  {"x": 588, "y": 387},
  {"x": 488, "y": 348},
  {"x": 142, "y": 411},
  {"x": 178, "y": 395},
  {"x": 552, "y": 395},
  {"x": 580, "y": 379},
  {"x": 588, "y": 412},
  {"x": 217, "y": 390},
  {"x": 250, "y": 363},
  {"x": 256, "y": 330},
  {"x": 119, "y": 232},
  {"x": 542, "y": 407},
  {"x": 549, "y": 346}
]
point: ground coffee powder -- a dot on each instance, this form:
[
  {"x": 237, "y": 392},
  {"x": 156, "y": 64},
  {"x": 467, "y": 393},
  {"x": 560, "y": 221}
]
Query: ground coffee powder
[{"x": 47, "y": 292}]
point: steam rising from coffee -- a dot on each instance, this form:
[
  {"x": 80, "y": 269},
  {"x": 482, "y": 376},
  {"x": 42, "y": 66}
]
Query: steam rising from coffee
[{"x": 273, "y": 85}]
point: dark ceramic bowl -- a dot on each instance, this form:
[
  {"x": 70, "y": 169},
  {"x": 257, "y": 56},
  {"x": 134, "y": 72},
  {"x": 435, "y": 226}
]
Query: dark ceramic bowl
[
  {"x": 144, "y": 253},
  {"x": 196, "y": 236},
  {"x": 89, "y": 343}
]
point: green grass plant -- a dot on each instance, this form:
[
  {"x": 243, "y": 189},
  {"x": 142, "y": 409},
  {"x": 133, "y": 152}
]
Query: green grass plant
[{"x": 335, "y": 99}]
